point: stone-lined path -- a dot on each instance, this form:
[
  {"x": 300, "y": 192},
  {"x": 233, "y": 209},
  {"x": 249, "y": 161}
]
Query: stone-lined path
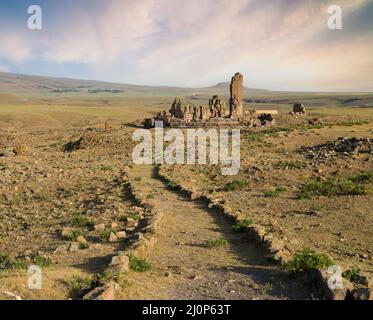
[{"x": 184, "y": 268}]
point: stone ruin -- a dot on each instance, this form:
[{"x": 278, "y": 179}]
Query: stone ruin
[{"x": 216, "y": 113}]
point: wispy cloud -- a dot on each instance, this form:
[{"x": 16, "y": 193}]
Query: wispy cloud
[{"x": 278, "y": 44}]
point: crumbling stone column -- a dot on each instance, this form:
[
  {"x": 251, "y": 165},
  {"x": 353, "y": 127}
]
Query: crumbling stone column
[{"x": 236, "y": 101}]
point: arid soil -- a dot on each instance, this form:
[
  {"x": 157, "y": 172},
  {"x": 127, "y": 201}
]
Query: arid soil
[{"x": 62, "y": 196}]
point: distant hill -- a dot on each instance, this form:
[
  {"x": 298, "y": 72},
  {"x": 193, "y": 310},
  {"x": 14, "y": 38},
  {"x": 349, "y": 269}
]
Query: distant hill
[
  {"x": 15, "y": 88},
  {"x": 39, "y": 85}
]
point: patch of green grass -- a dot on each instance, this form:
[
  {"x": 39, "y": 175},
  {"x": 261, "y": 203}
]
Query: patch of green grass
[
  {"x": 234, "y": 185},
  {"x": 139, "y": 265},
  {"x": 79, "y": 220},
  {"x": 307, "y": 260},
  {"x": 19, "y": 264},
  {"x": 150, "y": 196},
  {"x": 362, "y": 178},
  {"x": 42, "y": 261},
  {"x": 133, "y": 215},
  {"x": 353, "y": 275},
  {"x": 105, "y": 235},
  {"x": 118, "y": 277},
  {"x": 331, "y": 187},
  {"x": 107, "y": 168},
  {"x": 4, "y": 261},
  {"x": 240, "y": 226},
  {"x": 138, "y": 179},
  {"x": 216, "y": 243},
  {"x": 75, "y": 234},
  {"x": 172, "y": 185},
  {"x": 274, "y": 193},
  {"x": 83, "y": 245},
  {"x": 78, "y": 283},
  {"x": 291, "y": 165}
]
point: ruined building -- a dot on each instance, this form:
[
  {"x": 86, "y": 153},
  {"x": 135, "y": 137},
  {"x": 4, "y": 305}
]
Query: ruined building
[{"x": 216, "y": 113}]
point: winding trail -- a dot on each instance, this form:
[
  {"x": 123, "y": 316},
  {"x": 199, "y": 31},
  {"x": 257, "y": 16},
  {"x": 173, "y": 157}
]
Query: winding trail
[{"x": 184, "y": 268}]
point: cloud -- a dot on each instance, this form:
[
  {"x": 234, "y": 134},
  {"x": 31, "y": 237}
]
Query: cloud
[
  {"x": 283, "y": 44},
  {"x": 15, "y": 47}
]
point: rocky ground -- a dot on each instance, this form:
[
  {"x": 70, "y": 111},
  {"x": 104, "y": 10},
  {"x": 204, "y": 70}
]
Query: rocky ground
[
  {"x": 309, "y": 184},
  {"x": 64, "y": 206}
]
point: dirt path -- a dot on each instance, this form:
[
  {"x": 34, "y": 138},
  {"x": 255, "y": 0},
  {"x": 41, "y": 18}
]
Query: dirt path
[{"x": 184, "y": 268}]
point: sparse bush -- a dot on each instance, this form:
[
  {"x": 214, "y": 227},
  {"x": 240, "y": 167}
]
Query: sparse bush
[
  {"x": 274, "y": 193},
  {"x": 215, "y": 243},
  {"x": 172, "y": 185},
  {"x": 105, "y": 235},
  {"x": 107, "y": 168},
  {"x": 353, "y": 275},
  {"x": 79, "y": 220},
  {"x": 42, "y": 261},
  {"x": 330, "y": 187},
  {"x": 83, "y": 245},
  {"x": 19, "y": 264},
  {"x": 139, "y": 265},
  {"x": 240, "y": 226},
  {"x": 4, "y": 261},
  {"x": 78, "y": 284},
  {"x": 138, "y": 179},
  {"x": 291, "y": 165},
  {"x": 133, "y": 215},
  {"x": 362, "y": 178},
  {"x": 307, "y": 260},
  {"x": 234, "y": 185}
]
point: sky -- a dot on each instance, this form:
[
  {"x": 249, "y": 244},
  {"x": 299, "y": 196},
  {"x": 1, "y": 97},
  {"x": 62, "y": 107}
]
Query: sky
[{"x": 275, "y": 44}]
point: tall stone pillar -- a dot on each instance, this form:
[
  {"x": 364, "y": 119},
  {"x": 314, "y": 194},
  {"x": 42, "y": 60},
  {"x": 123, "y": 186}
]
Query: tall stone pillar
[{"x": 236, "y": 101}]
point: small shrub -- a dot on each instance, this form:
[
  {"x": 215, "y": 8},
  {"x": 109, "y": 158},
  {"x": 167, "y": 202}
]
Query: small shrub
[
  {"x": 138, "y": 179},
  {"x": 83, "y": 245},
  {"x": 234, "y": 185},
  {"x": 4, "y": 261},
  {"x": 274, "y": 193},
  {"x": 240, "y": 226},
  {"x": 105, "y": 235},
  {"x": 362, "y": 178},
  {"x": 107, "y": 168},
  {"x": 353, "y": 275},
  {"x": 79, "y": 220},
  {"x": 306, "y": 260},
  {"x": 172, "y": 185},
  {"x": 78, "y": 284},
  {"x": 150, "y": 196},
  {"x": 215, "y": 243},
  {"x": 139, "y": 265},
  {"x": 329, "y": 188},
  {"x": 42, "y": 261},
  {"x": 133, "y": 215},
  {"x": 19, "y": 264},
  {"x": 75, "y": 234},
  {"x": 291, "y": 165}
]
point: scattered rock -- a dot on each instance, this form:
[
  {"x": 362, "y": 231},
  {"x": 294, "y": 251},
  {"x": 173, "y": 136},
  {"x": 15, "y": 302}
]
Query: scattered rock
[
  {"x": 120, "y": 262},
  {"x": 121, "y": 234},
  {"x": 100, "y": 227},
  {"x": 361, "y": 294},
  {"x": 103, "y": 292},
  {"x": 113, "y": 237},
  {"x": 81, "y": 239}
]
